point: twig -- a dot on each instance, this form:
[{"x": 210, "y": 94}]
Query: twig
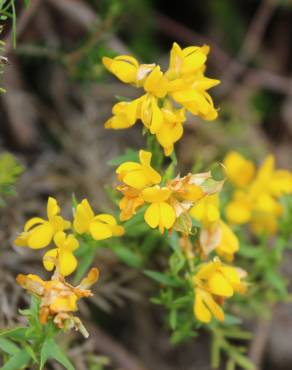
[
  {"x": 258, "y": 344},
  {"x": 119, "y": 355},
  {"x": 222, "y": 61},
  {"x": 256, "y": 30}
]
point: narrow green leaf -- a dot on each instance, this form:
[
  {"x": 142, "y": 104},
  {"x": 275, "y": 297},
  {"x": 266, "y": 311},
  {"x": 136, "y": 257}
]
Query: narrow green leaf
[
  {"x": 51, "y": 350},
  {"x": 19, "y": 361},
  {"x": 8, "y": 346},
  {"x": 17, "y": 333},
  {"x": 127, "y": 256},
  {"x": 162, "y": 278}
]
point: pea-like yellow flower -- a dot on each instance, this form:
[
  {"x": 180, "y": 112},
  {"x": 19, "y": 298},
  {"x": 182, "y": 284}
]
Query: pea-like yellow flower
[
  {"x": 257, "y": 202},
  {"x": 38, "y": 232},
  {"x": 131, "y": 201},
  {"x": 171, "y": 129},
  {"x": 207, "y": 210},
  {"x": 125, "y": 115},
  {"x": 213, "y": 283},
  {"x": 188, "y": 86},
  {"x": 139, "y": 175},
  {"x": 215, "y": 234},
  {"x": 127, "y": 69},
  {"x": 102, "y": 226},
  {"x": 184, "y": 84},
  {"x": 160, "y": 213},
  {"x": 63, "y": 254},
  {"x": 240, "y": 171},
  {"x": 59, "y": 298}
]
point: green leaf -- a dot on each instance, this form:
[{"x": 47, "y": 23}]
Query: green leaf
[
  {"x": 18, "y": 333},
  {"x": 51, "y": 350},
  {"x": 8, "y": 346},
  {"x": 162, "y": 278},
  {"x": 242, "y": 361},
  {"x": 84, "y": 261},
  {"x": 128, "y": 256},
  {"x": 18, "y": 361},
  {"x": 231, "y": 320}
]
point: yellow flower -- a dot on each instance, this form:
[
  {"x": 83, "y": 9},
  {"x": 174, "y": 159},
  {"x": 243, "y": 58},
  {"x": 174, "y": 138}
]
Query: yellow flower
[
  {"x": 127, "y": 69},
  {"x": 171, "y": 129},
  {"x": 206, "y": 210},
  {"x": 159, "y": 214},
  {"x": 102, "y": 226},
  {"x": 130, "y": 202},
  {"x": 59, "y": 298},
  {"x": 38, "y": 232},
  {"x": 63, "y": 254},
  {"x": 188, "y": 84},
  {"x": 257, "y": 203},
  {"x": 275, "y": 182},
  {"x": 184, "y": 83},
  {"x": 186, "y": 62},
  {"x": 125, "y": 114},
  {"x": 239, "y": 170},
  {"x": 213, "y": 283},
  {"x": 205, "y": 306},
  {"x": 138, "y": 175}
]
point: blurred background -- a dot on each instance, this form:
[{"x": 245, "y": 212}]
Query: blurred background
[{"x": 58, "y": 97}]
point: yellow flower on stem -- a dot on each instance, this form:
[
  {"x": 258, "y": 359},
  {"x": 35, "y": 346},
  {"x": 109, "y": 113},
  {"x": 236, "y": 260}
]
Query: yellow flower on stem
[
  {"x": 206, "y": 210},
  {"x": 125, "y": 115},
  {"x": 159, "y": 214},
  {"x": 59, "y": 298},
  {"x": 239, "y": 170},
  {"x": 63, "y": 254},
  {"x": 102, "y": 226},
  {"x": 171, "y": 129},
  {"x": 257, "y": 202},
  {"x": 184, "y": 83},
  {"x": 127, "y": 69},
  {"x": 138, "y": 175},
  {"x": 188, "y": 84},
  {"x": 38, "y": 232},
  {"x": 215, "y": 234},
  {"x": 184, "y": 63},
  {"x": 213, "y": 283},
  {"x": 130, "y": 202}
]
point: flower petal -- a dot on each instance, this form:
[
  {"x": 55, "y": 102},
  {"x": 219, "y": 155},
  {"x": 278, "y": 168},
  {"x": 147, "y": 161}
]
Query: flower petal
[{"x": 40, "y": 236}]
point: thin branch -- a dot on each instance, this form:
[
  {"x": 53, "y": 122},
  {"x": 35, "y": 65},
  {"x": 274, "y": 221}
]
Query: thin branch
[
  {"x": 108, "y": 346},
  {"x": 222, "y": 61}
]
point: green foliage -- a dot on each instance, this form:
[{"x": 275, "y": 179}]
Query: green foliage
[
  {"x": 10, "y": 169},
  {"x": 22, "y": 347}
]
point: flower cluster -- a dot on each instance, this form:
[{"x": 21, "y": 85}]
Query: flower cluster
[
  {"x": 255, "y": 199},
  {"x": 39, "y": 233},
  {"x": 167, "y": 205},
  {"x": 167, "y": 96},
  {"x": 213, "y": 283},
  {"x": 58, "y": 298}
]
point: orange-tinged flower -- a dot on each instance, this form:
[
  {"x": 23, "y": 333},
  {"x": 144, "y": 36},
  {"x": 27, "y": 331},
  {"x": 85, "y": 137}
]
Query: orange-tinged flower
[
  {"x": 59, "y": 298},
  {"x": 130, "y": 202}
]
